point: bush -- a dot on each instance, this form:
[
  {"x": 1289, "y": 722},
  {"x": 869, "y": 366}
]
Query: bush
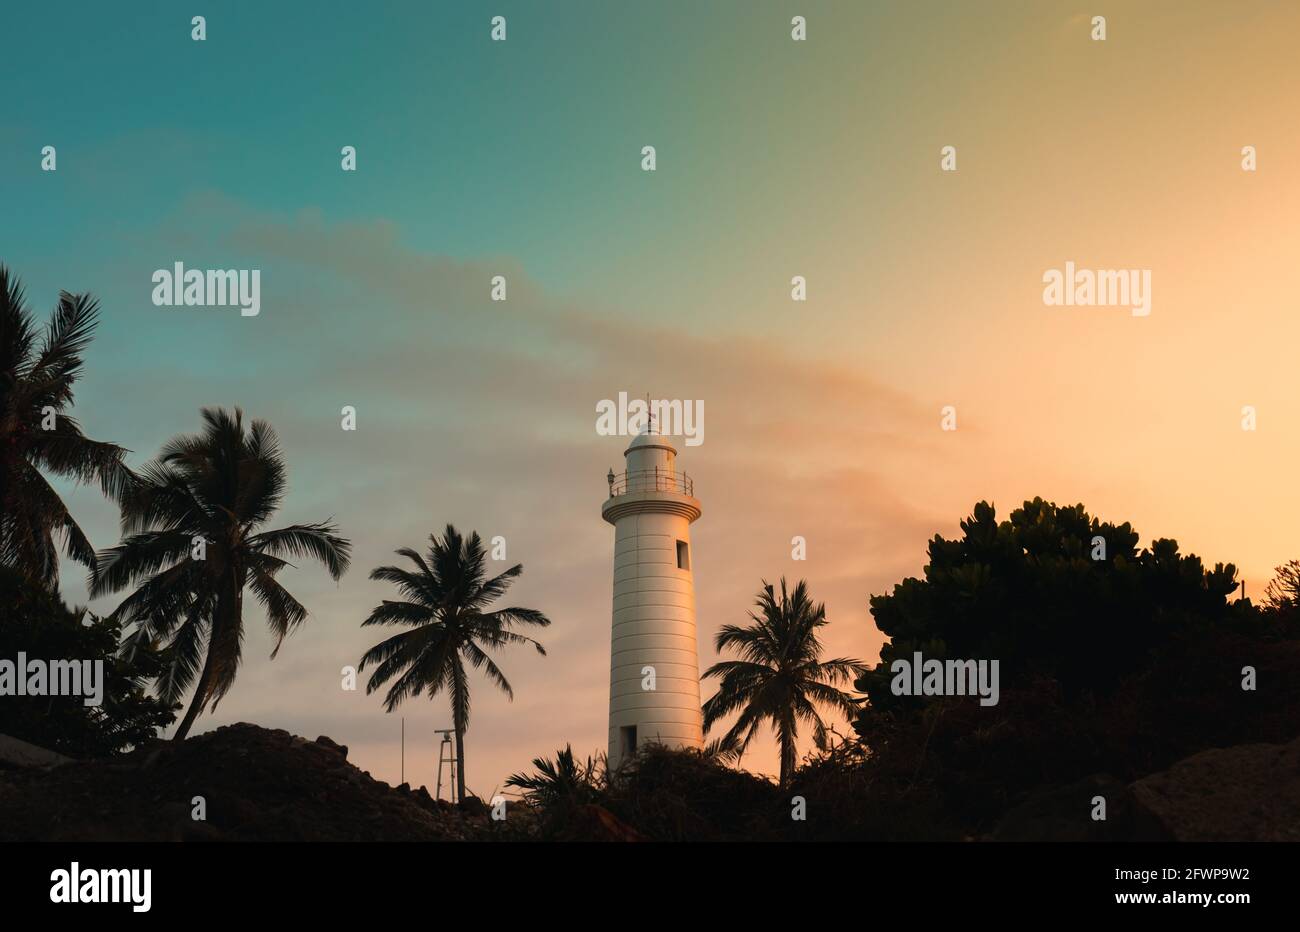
[{"x": 38, "y": 624}]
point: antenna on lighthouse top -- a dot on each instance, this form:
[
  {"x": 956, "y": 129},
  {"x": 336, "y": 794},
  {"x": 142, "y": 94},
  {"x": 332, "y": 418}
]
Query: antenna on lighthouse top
[{"x": 649, "y": 415}]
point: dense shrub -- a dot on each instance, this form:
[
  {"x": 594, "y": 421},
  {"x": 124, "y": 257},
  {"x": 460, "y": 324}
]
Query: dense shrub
[{"x": 38, "y": 624}]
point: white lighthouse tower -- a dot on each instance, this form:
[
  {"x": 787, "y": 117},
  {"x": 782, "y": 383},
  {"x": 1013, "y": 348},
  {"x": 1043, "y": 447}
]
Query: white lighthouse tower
[{"x": 654, "y": 671}]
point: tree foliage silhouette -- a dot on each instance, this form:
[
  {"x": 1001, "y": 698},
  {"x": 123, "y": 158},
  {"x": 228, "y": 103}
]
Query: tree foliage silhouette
[
  {"x": 38, "y": 623},
  {"x": 1038, "y": 593},
  {"x": 1283, "y": 591},
  {"x": 37, "y": 374}
]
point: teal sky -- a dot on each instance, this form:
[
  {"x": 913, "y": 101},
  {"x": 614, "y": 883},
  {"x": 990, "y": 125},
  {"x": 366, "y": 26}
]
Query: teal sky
[
  {"x": 469, "y": 153},
  {"x": 475, "y": 150}
]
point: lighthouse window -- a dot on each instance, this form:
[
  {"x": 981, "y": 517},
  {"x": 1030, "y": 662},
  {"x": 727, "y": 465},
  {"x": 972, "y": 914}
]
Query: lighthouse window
[
  {"x": 683, "y": 556},
  {"x": 629, "y": 739}
]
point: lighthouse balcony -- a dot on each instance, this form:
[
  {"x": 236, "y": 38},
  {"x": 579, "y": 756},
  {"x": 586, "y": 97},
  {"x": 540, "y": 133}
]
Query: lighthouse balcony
[{"x": 651, "y": 480}]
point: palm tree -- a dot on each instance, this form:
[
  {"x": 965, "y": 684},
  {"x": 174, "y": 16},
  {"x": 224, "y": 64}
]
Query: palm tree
[
  {"x": 561, "y": 785},
  {"x": 191, "y": 523},
  {"x": 37, "y": 375},
  {"x": 446, "y": 599},
  {"x": 779, "y": 677}
]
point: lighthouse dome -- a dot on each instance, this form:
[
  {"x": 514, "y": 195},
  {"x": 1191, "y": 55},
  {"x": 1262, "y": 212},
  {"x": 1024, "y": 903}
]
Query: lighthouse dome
[{"x": 645, "y": 440}]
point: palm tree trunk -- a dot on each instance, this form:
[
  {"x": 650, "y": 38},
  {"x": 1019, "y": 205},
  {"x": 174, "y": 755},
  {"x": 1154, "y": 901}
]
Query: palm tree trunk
[
  {"x": 459, "y": 702},
  {"x": 460, "y": 763},
  {"x": 223, "y": 608},
  {"x": 787, "y": 755},
  {"x": 200, "y": 694}
]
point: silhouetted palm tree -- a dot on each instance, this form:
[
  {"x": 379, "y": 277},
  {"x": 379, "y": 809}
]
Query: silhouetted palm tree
[
  {"x": 780, "y": 677},
  {"x": 192, "y": 542},
  {"x": 562, "y": 784},
  {"x": 446, "y": 607},
  {"x": 37, "y": 373}
]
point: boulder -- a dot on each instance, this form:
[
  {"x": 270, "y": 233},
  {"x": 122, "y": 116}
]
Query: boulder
[
  {"x": 1249, "y": 792},
  {"x": 15, "y": 752},
  {"x": 596, "y": 823},
  {"x": 1065, "y": 814},
  {"x": 473, "y": 806},
  {"x": 326, "y": 742}
]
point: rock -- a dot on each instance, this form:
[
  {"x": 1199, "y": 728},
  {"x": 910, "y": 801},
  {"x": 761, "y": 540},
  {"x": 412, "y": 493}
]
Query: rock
[
  {"x": 201, "y": 831},
  {"x": 325, "y": 742},
  {"x": 1250, "y": 792},
  {"x": 473, "y": 806},
  {"x": 1065, "y": 814},
  {"x": 16, "y": 752},
  {"x": 596, "y": 823}
]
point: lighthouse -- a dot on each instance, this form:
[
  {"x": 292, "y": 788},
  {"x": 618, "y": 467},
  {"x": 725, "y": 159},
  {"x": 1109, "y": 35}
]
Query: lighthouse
[{"x": 654, "y": 668}]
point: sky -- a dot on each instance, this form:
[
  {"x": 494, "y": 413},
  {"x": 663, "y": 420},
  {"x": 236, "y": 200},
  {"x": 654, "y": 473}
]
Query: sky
[{"x": 774, "y": 158}]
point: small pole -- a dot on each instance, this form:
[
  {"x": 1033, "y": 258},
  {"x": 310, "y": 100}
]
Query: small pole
[{"x": 403, "y": 748}]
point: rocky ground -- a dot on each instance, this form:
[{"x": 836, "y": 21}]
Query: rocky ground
[
  {"x": 257, "y": 784},
  {"x": 1250, "y": 792}
]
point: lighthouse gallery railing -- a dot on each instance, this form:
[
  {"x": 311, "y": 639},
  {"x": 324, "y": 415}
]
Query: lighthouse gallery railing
[{"x": 651, "y": 480}]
